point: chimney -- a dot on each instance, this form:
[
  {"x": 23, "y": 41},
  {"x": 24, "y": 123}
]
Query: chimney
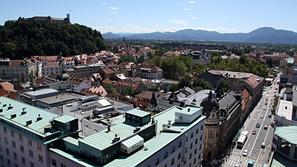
[{"x": 189, "y": 109}]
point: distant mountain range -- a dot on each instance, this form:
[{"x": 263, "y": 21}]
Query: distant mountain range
[{"x": 261, "y": 35}]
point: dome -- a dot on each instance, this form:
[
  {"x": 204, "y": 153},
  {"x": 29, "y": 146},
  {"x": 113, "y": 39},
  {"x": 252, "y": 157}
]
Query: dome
[
  {"x": 209, "y": 103},
  {"x": 65, "y": 77}
]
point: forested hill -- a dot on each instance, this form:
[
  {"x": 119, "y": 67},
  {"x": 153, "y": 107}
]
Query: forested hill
[{"x": 20, "y": 39}]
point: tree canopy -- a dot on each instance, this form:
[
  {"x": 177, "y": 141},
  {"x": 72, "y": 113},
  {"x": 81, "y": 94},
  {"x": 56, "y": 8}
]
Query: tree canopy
[{"x": 20, "y": 39}]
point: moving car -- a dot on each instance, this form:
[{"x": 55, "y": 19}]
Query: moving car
[
  {"x": 254, "y": 132},
  {"x": 261, "y": 116},
  {"x": 265, "y": 127},
  {"x": 258, "y": 125},
  {"x": 263, "y": 145}
]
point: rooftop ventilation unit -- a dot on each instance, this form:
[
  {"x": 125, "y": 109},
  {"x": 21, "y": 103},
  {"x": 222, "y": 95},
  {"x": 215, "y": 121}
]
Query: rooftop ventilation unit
[
  {"x": 28, "y": 122},
  {"x": 9, "y": 107},
  {"x": 1, "y": 110},
  {"x": 38, "y": 118},
  {"x": 136, "y": 129},
  {"x": 47, "y": 129},
  {"x": 23, "y": 112},
  {"x": 116, "y": 138},
  {"x": 12, "y": 116}
]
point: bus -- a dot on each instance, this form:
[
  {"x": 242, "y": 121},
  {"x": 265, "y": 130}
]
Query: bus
[{"x": 241, "y": 139}]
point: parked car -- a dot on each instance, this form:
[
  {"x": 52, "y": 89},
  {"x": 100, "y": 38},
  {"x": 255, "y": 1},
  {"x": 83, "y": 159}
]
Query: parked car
[{"x": 245, "y": 152}]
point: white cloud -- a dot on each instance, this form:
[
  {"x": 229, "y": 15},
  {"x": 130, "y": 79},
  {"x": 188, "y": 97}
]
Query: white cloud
[
  {"x": 113, "y": 8},
  {"x": 194, "y": 17},
  {"x": 187, "y": 9},
  {"x": 192, "y": 1},
  {"x": 104, "y": 3},
  {"x": 179, "y": 22}
]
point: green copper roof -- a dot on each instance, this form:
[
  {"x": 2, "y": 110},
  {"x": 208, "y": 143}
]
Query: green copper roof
[
  {"x": 30, "y": 113},
  {"x": 288, "y": 133},
  {"x": 65, "y": 119}
]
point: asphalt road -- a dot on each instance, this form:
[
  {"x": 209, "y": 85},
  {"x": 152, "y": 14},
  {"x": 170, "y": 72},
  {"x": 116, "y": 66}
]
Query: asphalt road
[{"x": 253, "y": 143}]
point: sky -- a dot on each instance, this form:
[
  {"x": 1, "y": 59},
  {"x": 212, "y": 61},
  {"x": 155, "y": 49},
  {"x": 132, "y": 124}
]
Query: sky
[{"x": 138, "y": 16}]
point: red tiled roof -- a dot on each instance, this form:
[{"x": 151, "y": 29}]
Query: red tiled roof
[
  {"x": 7, "y": 86},
  {"x": 253, "y": 81}
]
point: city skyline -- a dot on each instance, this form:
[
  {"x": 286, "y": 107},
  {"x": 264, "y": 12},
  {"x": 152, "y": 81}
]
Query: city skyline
[{"x": 150, "y": 16}]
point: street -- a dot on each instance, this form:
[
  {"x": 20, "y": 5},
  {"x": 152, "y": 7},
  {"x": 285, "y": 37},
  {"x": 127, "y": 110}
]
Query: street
[{"x": 261, "y": 115}]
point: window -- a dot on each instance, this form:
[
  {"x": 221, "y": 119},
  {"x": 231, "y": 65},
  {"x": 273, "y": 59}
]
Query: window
[
  {"x": 4, "y": 129},
  {"x": 173, "y": 149},
  {"x": 13, "y": 144},
  {"x": 23, "y": 160},
  {"x": 157, "y": 161},
  {"x": 31, "y": 153},
  {"x": 179, "y": 155},
  {"x": 12, "y": 133},
  {"x": 191, "y": 135},
  {"x": 31, "y": 164},
  {"x": 20, "y": 137},
  {"x": 191, "y": 146},
  {"x": 194, "y": 160},
  {"x": 5, "y": 140},
  {"x": 7, "y": 151},
  {"x": 195, "y": 151},
  {"x": 172, "y": 161},
  {"x": 196, "y": 141},
  {"x": 201, "y": 127},
  {"x": 29, "y": 142},
  {"x": 40, "y": 158},
  {"x": 200, "y": 147},
  {"x": 39, "y": 147},
  {"x": 180, "y": 144},
  {"x": 197, "y": 131},
  {"x": 15, "y": 156},
  {"x": 22, "y": 148},
  {"x": 54, "y": 162},
  {"x": 63, "y": 165},
  {"x": 166, "y": 155},
  {"x": 190, "y": 156},
  {"x": 165, "y": 165},
  {"x": 200, "y": 137}
]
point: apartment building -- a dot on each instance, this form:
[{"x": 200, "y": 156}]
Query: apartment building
[
  {"x": 26, "y": 132},
  {"x": 173, "y": 137}
]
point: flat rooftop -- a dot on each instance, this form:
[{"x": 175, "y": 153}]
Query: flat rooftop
[
  {"x": 62, "y": 97},
  {"x": 285, "y": 109},
  {"x": 138, "y": 112},
  {"x": 288, "y": 133},
  {"x": 32, "y": 113},
  {"x": 41, "y": 92},
  {"x": 103, "y": 140}
]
